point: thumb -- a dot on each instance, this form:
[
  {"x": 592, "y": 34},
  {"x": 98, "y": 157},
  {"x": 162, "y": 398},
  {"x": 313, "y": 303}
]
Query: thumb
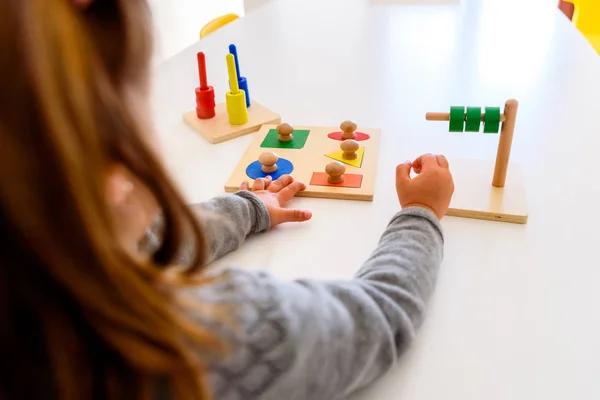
[
  {"x": 403, "y": 173},
  {"x": 283, "y": 215}
]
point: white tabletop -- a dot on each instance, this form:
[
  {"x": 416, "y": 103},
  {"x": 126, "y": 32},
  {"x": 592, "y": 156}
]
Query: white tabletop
[{"x": 515, "y": 314}]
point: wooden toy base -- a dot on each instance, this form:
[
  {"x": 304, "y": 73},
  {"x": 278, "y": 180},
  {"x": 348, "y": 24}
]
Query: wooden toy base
[
  {"x": 475, "y": 197},
  {"x": 218, "y": 129},
  {"x": 311, "y": 159}
]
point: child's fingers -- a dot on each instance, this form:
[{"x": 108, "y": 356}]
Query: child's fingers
[
  {"x": 290, "y": 191},
  {"x": 286, "y": 215},
  {"x": 269, "y": 180},
  {"x": 403, "y": 173},
  {"x": 261, "y": 184},
  {"x": 280, "y": 183},
  {"x": 244, "y": 186},
  {"x": 426, "y": 161},
  {"x": 442, "y": 161}
]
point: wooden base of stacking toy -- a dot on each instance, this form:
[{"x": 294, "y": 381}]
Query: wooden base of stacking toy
[
  {"x": 475, "y": 196},
  {"x": 482, "y": 191},
  {"x": 218, "y": 129},
  {"x": 307, "y": 156}
]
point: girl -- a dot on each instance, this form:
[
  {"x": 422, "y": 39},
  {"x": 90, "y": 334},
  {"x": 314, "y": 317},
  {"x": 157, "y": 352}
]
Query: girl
[{"x": 91, "y": 303}]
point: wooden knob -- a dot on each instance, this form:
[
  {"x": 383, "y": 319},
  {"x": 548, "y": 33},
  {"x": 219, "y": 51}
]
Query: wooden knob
[
  {"x": 284, "y": 129},
  {"x": 335, "y": 172},
  {"x": 348, "y": 127},
  {"x": 285, "y": 132},
  {"x": 269, "y": 162},
  {"x": 349, "y": 147}
]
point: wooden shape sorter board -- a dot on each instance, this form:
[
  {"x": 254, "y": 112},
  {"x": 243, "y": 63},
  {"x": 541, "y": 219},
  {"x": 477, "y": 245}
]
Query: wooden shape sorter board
[
  {"x": 218, "y": 129},
  {"x": 475, "y": 197},
  {"x": 311, "y": 159}
]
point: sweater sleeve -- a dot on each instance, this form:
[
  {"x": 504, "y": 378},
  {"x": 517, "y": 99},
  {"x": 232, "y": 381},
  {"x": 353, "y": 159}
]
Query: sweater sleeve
[
  {"x": 318, "y": 340},
  {"x": 226, "y": 221}
]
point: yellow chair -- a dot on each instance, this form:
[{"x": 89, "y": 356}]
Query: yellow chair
[
  {"x": 217, "y": 23},
  {"x": 587, "y": 19}
]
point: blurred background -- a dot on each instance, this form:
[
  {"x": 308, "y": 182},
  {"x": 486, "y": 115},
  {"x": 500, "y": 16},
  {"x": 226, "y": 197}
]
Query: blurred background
[{"x": 178, "y": 23}]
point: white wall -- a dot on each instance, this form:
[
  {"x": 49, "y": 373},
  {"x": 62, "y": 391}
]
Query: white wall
[
  {"x": 251, "y": 5},
  {"x": 178, "y": 22}
]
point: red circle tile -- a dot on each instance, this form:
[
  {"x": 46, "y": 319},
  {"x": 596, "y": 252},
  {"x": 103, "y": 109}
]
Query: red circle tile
[{"x": 359, "y": 136}]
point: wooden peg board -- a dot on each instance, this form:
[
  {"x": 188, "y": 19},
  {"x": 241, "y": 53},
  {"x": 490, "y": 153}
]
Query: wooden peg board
[
  {"x": 311, "y": 158},
  {"x": 475, "y": 197},
  {"x": 218, "y": 129}
]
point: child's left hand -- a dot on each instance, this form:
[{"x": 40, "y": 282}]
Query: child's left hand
[{"x": 275, "y": 194}]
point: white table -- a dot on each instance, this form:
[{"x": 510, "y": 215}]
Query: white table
[{"x": 515, "y": 314}]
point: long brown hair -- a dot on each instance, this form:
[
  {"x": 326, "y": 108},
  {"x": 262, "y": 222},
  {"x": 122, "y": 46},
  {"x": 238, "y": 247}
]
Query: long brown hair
[{"x": 80, "y": 318}]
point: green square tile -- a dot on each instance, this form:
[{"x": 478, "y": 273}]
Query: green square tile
[{"x": 298, "y": 140}]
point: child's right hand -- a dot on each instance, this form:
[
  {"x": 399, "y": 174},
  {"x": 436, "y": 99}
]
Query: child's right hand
[{"x": 431, "y": 189}]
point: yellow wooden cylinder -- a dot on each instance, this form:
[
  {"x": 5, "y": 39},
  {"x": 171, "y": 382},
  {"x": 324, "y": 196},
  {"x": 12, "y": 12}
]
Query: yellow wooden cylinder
[
  {"x": 587, "y": 19},
  {"x": 587, "y": 16},
  {"x": 236, "y": 107}
]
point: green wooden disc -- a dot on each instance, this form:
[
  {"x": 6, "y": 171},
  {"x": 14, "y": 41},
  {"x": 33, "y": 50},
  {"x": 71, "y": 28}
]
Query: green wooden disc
[
  {"x": 491, "y": 120},
  {"x": 457, "y": 119},
  {"x": 473, "y": 119}
]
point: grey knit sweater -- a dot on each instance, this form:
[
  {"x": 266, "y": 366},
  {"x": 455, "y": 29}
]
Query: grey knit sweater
[{"x": 310, "y": 339}]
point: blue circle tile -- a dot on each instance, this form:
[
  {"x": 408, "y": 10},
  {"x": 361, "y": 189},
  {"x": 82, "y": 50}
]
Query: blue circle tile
[{"x": 254, "y": 170}]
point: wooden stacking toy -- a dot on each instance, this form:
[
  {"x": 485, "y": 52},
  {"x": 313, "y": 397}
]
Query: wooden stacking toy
[
  {"x": 237, "y": 116},
  {"x": 473, "y": 198}
]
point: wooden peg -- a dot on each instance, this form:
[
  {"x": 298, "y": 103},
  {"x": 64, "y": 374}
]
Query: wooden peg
[
  {"x": 444, "y": 116},
  {"x": 335, "y": 172},
  {"x": 285, "y": 132},
  {"x": 269, "y": 162},
  {"x": 349, "y": 147},
  {"x": 348, "y": 127},
  {"x": 504, "y": 145}
]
